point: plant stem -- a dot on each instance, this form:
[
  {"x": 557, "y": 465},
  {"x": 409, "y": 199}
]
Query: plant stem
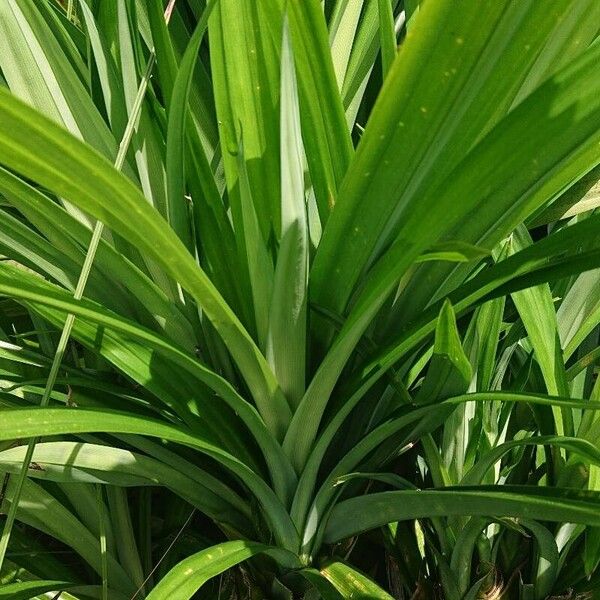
[
  {"x": 102, "y": 528},
  {"x": 70, "y": 10}
]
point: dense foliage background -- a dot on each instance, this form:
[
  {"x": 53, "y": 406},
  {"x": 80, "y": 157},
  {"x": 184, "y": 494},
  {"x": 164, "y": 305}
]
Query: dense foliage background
[{"x": 333, "y": 277}]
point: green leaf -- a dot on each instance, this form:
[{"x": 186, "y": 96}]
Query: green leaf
[
  {"x": 33, "y": 251},
  {"x": 246, "y": 88},
  {"x": 321, "y": 584},
  {"x": 456, "y": 251},
  {"x": 351, "y": 583},
  {"x": 543, "y": 45},
  {"x": 178, "y": 210},
  {"x": 70, "y": 236},
  {"x": 41, "y": 510},
  {"x": 365, "y": 47},
  {"x": 326, "y": 138},
  {"x": 548, "y": 504},
  {"x": 38, "y": 72},
  {"x": 122, "y": 526},
  {"x": 547, "y": 559},
  {"x": 110, "y": 197},
  {"x": 588, "y": 430},
  {"x": 584, "y": 195},
  {"x": 253, "y": 248},
  {"x": 553, "y": 257},
  {"x": 536, "y": 309},
  {"x": 19, "y": 284},
  {"x": 390, "y": 174},
  {"x": 579, "y": 312},
  {"x": 76, "y": 462},
  {"x": 449, "y": 373},
  {"x": 342, "y": 30},
  {"x": 192, "y": 573},
  {"x": 28, "y": 422},
  {"x": 146, "y": 142},
  {"x": 488, "y": 325},
  {"x": 416, "y": 423},
  {"x": 549, "y": 112},
  {"x": 26, "y": 590},
  {"x": 213, "y": 228},
  {"x": 112, "y": 91},
  {"x": 582, "y": 448},
  {"x": 387, "y": 35},
  {"x": 286, "y": 341}
]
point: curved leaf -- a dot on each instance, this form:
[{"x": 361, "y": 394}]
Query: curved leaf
[
  {"x": 77, "y": 462},
  {"x": 31, "y": 422},
  {"x": 176, "y": 202},
  {"x": 351, "y": 583},
  {"x": 183, "y": 580},
  {"x": 529, "y": 502},
  {"x": 30, "y": 589},
  {"x": 321, "y": 584},
  {"x": 551, "y": 258},
  {"x": 427, "y": 419},
  {"x": 533, "y": 127},
  {"x": 18, "y": 284},
  {"x": 584, "y": 449},
  {"x": 52, "y": 154},
  {"x": 41, "y": 510}
]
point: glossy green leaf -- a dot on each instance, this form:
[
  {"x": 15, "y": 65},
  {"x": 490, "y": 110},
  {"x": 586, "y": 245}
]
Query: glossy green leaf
[
  {"x": 26, "y": 423},
  {"x": 351, "y": 583},
  {"x": 552, "y": 258},
  {"x": 548, "y": 504},
  {"x": 387, "y": 35},
  {"x": 69, "y": 236},
  {"x": 178, "y": 209},
  {"x": 453, "y": 252},
  {"x": 449, "y": 372},
  {"x": 581, "y": 197},
  {"x": 14, "y": 282},
  {"x": 29, "y": 589},
  {"x": 580, "y": 447},
  {"x": 246, "y": 82},
  {"x": 252, "y": 246},
  {"x": 326, "y": 139},
  {"x": 321, "y": 584},
  {"x": 536, "y": 308},
  {"x": 342, "y": 30},
  {"x": 58, "y": 153},
  {"x": 92, "y": 463},
  {"x": 455, "y": 49},
  {"x": 423, "y": 220},
  {"x": 41, "y": 510},
  {"x": 190, "y": 574},
  {"x": 416, "y": 423},
  {"x": 286, "y": 340},
  {"x": 212, "y": 226},
  {"x": 579, "y": 312}
]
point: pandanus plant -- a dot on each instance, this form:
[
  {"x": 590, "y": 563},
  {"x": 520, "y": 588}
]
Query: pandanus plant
[{"x": 327, "y": 277}]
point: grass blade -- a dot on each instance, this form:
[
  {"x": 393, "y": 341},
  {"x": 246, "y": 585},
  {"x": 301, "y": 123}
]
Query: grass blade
[
  {"x": 190, "y": 574},
  {"x": 286, "y": 343},
  {"x": 547, "y": 504}
]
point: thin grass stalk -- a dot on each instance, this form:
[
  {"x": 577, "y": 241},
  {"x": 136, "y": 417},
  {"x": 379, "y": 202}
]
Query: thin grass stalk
[
  {"x": 78, "y": 295},
  {"x": 70, "y": 10},
  {"x": 102, "y": 532}
]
